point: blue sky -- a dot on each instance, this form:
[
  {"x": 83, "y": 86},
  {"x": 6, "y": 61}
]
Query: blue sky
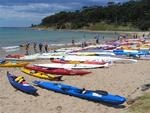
[{"x": 21, "y": 13}]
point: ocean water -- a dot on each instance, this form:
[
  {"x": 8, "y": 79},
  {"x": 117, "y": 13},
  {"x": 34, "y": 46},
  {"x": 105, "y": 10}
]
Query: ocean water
[{"x": 17, "y": 36}]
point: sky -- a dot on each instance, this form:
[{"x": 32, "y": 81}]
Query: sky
[{"x": 23, "y": 13}]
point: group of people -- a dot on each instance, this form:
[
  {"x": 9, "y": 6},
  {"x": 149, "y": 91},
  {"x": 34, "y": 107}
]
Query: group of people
[{"x": 40, "y": 46}]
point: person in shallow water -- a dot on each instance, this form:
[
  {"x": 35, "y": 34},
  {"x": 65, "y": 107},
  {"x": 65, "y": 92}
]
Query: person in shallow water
[{"x": 40, "y": 47}]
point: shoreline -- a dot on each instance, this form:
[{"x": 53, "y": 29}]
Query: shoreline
[{"x": 93, "y": 31}]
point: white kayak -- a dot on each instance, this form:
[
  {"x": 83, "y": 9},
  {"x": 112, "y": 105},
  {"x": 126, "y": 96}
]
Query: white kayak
[
  {"x": 144, "y": 57},
  {"x": 71, "y": 66},
  {"x": 11, "y": 48},
  {"x": 25, "y": 58},
  {"x": 103, "y": 53},
  {"x": 98, "y": 59},
  {"x": 51, "y": 55}
]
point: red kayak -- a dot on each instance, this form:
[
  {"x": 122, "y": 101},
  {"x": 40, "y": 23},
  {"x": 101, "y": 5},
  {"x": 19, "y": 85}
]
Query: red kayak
[
  {"x": 58, "y": 71},
  {"x": 74, "y": 62},
  {"x": 14, "y": 56}
]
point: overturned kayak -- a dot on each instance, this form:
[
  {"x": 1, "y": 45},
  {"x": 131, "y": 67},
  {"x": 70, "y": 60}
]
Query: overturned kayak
[
  {"x": 41, "y": 74},
  {"x": 97, "y": 96},
  {"x": 58, "y": 70},
  {"x": 23, "y": 86},
  {"x": 72, "y": 66}
]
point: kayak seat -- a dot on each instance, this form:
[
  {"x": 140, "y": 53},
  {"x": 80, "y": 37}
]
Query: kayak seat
[
  {"x": 51, "y": 58},
  {"x": 2, "y": 61},
  {"x": 56, "y": 83},
  {"x": 19, "y": 79},
  {"x": 101, "y": 92},
  {"x": 82, "y": 91},
  {"x": 65, "y": 89},
  {"x": 33, "y": 71}
]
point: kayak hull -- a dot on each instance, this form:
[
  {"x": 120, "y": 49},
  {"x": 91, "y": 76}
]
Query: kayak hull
[
  {"x": 41, "y": 75},
  {"x": 58, "y": 71},
  {"x": 101, "y": 96},
  {"x": 76, "y": 62},
  {"x": 9, "y": 64},
  {"x": 22, "y": 87},
  {"x": 72, "y": 66}
]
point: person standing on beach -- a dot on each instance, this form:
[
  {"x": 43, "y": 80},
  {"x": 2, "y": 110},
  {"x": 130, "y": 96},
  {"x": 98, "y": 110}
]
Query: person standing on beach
[
  {"x": 27, "y": 48},
  {"x": 46, "y": 47},
  {"x": 97, "y": 40},
  {"x": 34, "y": 47},
  {"x": 40, "y": 47},
  {"x": 73, "y": 43}
]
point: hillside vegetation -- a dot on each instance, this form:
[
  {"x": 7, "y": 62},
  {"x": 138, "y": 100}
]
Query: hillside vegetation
[{"x": 132, "y": 15}]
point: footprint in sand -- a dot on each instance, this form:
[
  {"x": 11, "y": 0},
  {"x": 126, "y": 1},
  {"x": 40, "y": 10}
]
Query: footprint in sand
[{"x": 59, "y": 108}]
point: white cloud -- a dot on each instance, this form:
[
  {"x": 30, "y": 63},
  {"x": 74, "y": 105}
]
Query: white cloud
[
  {"x": 26, "y": 14},
  {"x": 31, "y": 10}
]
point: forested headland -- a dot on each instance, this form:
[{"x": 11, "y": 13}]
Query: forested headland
[{"x": 131, "y": 15}]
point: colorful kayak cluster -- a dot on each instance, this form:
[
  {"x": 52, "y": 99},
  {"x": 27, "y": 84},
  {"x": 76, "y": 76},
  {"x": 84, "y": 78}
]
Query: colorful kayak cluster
[{"x": 69, "y": 61}]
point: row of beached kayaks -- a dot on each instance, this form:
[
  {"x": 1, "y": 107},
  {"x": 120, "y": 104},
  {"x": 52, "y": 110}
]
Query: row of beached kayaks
[
  {"x": 96, "y": 96},
  {"x": 106, "y": 56},
  {"x": 76, "y": 58}
]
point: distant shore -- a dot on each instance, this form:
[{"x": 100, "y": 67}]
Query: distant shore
[{"x": 140, "y": 33}]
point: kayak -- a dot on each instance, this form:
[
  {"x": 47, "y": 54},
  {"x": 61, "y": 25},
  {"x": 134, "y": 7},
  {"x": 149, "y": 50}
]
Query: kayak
[
  {"x": 97, "y": 59},
  {"x": 72, "y": 66},
  {"x": 58, "y": 71},
  {"x": 51, "y": 55},
  {"x": 76, "y": 62},
  {"x": 97, "y": 96},
  {"x": 130, "y": 52},
  {"x": 11, "y": 48},
  {"x": 143, "y": 57},
  {"x": 14, "y": 55},
  {"x": 23, "y": 86},
  {"x": 41, "y": 74},
  {"x": 102, "y": 53},
  {"x": 13, "y": 64},
  {"x": 24, "y": 58}
]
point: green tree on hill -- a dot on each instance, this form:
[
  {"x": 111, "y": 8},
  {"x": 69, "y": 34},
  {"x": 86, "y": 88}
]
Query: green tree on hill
[{"x": 135, "y": 13}]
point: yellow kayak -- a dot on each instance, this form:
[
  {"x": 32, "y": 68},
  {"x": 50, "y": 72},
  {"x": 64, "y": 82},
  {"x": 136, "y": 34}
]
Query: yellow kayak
[
  {"x": 12, "y": 64},
  {"x": 41, "y": 74}
]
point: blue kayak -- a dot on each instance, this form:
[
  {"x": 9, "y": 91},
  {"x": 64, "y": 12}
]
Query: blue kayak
[
  {"x": 25, "y": 87},
  {"x": 2, "y": 61},
  {"x": 97, "y": 96},
  {"x": 130, "y": 52}
]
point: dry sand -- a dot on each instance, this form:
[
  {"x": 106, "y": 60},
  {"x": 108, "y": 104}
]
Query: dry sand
[{"x": 120, "y": 79}]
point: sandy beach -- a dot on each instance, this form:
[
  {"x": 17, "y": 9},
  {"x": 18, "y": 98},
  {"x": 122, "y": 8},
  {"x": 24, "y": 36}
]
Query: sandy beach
[
  {"x": 119, "y": 79},
  {"x": 105, "y": 42}
]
